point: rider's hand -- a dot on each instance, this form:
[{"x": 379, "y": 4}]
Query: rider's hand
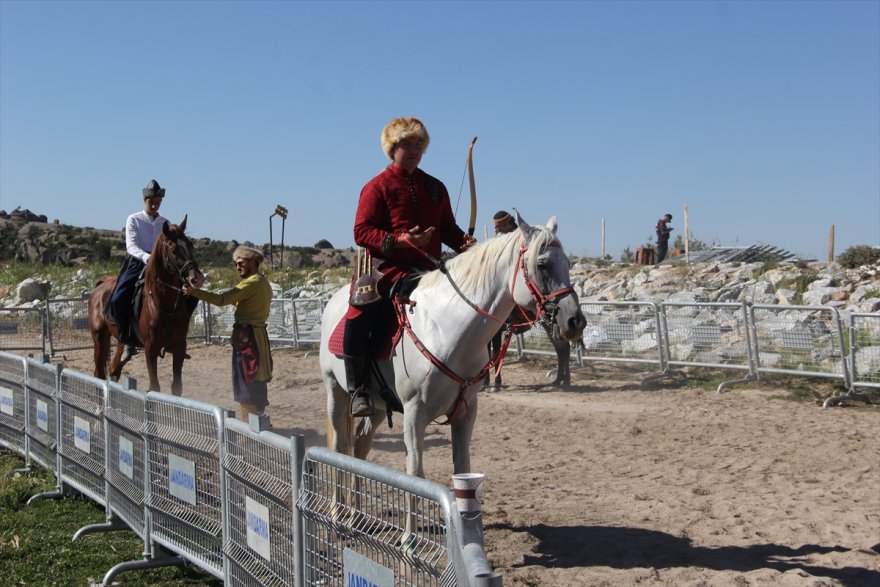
[
  {"x": 415, "y": 237},
  {"x": 469, "y": 241}
]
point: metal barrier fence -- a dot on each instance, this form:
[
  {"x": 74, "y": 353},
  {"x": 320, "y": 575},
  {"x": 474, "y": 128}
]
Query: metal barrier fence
[
  {"x": 864, "y": 353},
  {"x": 291, "y": 322},
  {"x": 622, "y": 331},
  {"x": 364, "y": 519},
  {"x": 799, "y": 340},
  {"x": 12, "y": 404},
  {"x": 67, "y": 321},
  {"x": 67, "y": 324},
  {"x": 81, "y": 437},
  {"x": 125, "y": 465},
  {"x": 184, "y": 440},
  {"x": 200, "y": 487},
  {"x": 43, "y": 426},
  {"x": 263, "y": 542},
  {"x": 22, "y": 329}
]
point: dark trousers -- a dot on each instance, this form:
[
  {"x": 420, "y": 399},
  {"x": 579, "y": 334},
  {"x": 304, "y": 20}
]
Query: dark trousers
[
  {"x": 662, "y": 247},
  {"x": 121, "y": 298},
  {"x": 372, "y": 324}
]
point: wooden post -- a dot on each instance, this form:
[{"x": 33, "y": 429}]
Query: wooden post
[
  {"x": 603, "y": 238},
  {"x": 687, "y": 249},
  {"x": 831, "y": 244}
]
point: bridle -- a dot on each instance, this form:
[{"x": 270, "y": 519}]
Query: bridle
[
  {"x": 546, "y": 307},
  {"x": 171, "y": 267}
]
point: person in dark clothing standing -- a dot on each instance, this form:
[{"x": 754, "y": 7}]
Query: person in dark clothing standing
[
  {"x": 663, "y": 237},
  {"x": 504, "y": 223}
]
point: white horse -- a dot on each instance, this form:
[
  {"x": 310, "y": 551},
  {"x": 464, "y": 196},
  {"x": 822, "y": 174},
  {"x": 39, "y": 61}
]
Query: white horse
[{"x": 438, "y": 364}]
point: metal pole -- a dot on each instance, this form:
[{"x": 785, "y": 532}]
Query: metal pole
[{"x": 271, "y": 254}]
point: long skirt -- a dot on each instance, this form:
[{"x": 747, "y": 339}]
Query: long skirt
[{"x": 255, "y": 392}]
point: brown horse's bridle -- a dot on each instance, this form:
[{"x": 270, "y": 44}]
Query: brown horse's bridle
[{"x": 172, "y": 268}]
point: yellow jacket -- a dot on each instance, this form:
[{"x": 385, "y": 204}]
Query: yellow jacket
[{"x": 252, "y": 297}]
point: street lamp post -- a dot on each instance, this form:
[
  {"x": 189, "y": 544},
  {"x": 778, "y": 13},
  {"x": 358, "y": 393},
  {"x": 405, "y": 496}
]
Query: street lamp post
[{"x": 282, "y": 212}]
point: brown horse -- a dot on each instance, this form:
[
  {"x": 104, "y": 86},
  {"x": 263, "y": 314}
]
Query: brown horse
[{"x": 164, "y": 318}]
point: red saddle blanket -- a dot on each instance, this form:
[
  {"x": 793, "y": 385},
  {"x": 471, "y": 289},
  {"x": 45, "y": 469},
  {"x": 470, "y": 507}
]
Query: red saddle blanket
[{"x": 381, "y": 348}]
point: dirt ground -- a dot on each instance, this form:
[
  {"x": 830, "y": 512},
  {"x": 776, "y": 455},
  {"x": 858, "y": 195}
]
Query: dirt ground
[{"x": 609, "y": 484}]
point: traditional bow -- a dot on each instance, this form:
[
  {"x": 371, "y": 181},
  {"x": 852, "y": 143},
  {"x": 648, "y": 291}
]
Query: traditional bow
[{"x": 472, "y": 224}]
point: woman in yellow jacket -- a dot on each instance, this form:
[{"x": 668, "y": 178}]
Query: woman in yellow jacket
[{"x": 251, "y": 356}]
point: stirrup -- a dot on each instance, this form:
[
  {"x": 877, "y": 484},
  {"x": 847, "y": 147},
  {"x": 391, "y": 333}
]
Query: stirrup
[
  {"x": 128, "y": 351},
  {"x": 360, "y": 405}
]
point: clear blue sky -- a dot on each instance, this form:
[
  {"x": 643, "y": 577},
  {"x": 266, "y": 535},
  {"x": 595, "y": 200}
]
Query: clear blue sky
[{"x": 762, "y": 117}]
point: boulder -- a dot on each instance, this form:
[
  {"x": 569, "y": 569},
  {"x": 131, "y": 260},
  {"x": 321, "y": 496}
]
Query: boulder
[{"x": 31, "y": 290}]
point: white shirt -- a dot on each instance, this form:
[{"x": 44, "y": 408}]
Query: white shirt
[{"x": 141, "y": 233}]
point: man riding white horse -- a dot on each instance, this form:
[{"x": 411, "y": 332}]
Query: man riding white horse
[{"x": 402, "y": 213}]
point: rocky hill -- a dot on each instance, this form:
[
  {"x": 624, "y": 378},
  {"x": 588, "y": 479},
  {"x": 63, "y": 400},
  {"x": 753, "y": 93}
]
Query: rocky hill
[
  {"x": 31, "y": 238},
  {"x": 27, "y": 237}
]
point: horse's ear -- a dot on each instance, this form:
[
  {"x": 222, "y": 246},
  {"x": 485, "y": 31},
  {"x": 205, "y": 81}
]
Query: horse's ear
[
  {"x": 524, "y": 226},
  {"x": 182, "y": 224},
  {"x": 551, "y": 224},
  {"x": 165, "y": 230}
]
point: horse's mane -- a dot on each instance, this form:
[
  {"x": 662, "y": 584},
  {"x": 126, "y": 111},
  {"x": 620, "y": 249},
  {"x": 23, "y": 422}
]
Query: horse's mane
[{"x": 473, "y": 266}]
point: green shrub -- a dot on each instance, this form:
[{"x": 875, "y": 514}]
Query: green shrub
[{"x": 858, "y": 255}]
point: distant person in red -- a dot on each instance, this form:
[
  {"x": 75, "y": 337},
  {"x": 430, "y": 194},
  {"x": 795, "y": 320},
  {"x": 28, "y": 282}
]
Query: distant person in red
[
  {"x": 662, "y": 237},
  {"x": 401, "y": 212}
]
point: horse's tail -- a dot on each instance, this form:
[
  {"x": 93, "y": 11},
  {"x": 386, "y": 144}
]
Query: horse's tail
[{"x": 331, "y": 433}]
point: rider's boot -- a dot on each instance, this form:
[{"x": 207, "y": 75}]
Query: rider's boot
[
  {"x": 126, "y": 338},
  {"x": 355, "y": 375}
]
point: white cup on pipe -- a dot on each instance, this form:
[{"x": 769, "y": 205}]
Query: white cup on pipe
[{"x": 468, "y": 489}]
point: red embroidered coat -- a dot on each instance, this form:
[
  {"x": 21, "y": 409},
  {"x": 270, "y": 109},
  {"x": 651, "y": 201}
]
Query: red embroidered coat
[{"x": 392, "y": 203}]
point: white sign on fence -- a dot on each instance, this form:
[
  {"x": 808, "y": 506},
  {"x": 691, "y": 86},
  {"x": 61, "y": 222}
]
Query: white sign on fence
[
  {"x": 43, "y": 415},
  {"x": 257, "y": 516},
  {"x": 182, "y": 478},
  {"x": 82, "y": 434},
  {"x": 126, "y": 457},
  {"x": 7, "y": 403},
  {"x": 360, "y": 570}
]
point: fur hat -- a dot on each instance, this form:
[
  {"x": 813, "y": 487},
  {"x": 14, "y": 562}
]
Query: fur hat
[
  {"x": 154, "y": 190},
  {"x": 402, "y": 128},
  {"x": 246, "y": 252}
]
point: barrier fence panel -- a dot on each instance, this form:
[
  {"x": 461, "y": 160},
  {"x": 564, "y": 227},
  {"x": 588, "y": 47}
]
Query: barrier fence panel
[
  {"x": 199, "y": 323},
  {"x": 536, "y": 341},
  {"x": 281, "y": 324},
  {"x": 43, "y": 424},
  {"x": 864, "y": 345},
  {"x": 81, "y": 440},
  {"x": 13, "y": 408},
  {"x": 365, "y": 522},
  {"x": 290, "y": 323},
  {"x": 708, "y": 335},
  {"x": 863, "y": 332},
  {"x": 622, "y": 331},
  {"x": 307, "y": 320},
  {"x": 186, "y": 497},
  {"x": 126, "y": 458},
  {"x": 22, "y": 329},
  {"x": 67, "y": 322},
  {"x": 799, "y": 340},
  {"x": 263, "y": 542}
]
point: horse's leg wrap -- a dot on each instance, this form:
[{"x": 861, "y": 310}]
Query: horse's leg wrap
[{"x": 356, "y": 371}]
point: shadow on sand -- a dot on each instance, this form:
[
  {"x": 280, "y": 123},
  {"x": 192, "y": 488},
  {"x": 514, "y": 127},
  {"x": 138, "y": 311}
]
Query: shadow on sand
[{"x": 627, "y": 548}]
